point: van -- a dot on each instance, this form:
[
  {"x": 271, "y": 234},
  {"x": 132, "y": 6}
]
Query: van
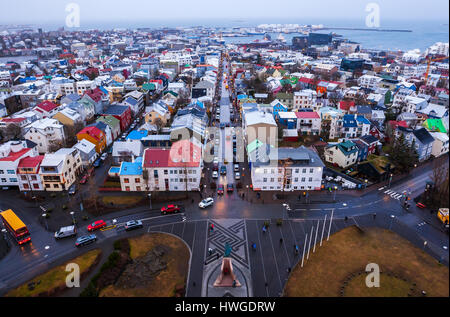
[{"x": 64, "y": 232}]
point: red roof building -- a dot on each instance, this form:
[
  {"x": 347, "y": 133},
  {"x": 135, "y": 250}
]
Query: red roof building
[{"x": 181, "y": 154}]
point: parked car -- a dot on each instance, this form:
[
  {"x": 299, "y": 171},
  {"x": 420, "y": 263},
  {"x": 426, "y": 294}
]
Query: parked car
[
  {"x": 170, "y": 209},
  {"x": 97, "y": 163},
  {"x": 217, "y": 141},
  {"x": 230, "y": 188},
  {"x": 72, "y": 189},
  {"x": 215, "y": 174},
  {"x": 223, "y": 170},
  {"x": 206, "y": 202},
  {"x": 133, "y": 224},
  {"x": 96, "y": 225},
  {"x": 237, "y": 176},
  {"x": 236, "y": 167},
  {"x": 86, "y": 240},
  {"x": 64, "y": 232},
  {"x": 420, "y": 205},
  {"x": 84, "y": 179},
  {"x": 104, "y": 156}
]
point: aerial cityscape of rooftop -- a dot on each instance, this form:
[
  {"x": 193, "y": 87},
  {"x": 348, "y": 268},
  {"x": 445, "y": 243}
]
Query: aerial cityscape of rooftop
[{"x": 224, "y": 150}]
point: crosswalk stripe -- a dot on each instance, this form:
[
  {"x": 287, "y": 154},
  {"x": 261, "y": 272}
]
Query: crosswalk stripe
[{"x": 388, "y": 191}]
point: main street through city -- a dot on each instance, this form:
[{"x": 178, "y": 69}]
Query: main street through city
[{"x": 240, "y": 220}]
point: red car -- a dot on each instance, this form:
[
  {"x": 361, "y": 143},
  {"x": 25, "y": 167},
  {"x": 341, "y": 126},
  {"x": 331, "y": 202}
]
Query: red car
[
  {"x": 96, "y": 225},
  {"x": 170, "y": 209},
  {"x": 220, "y": 189},
  {"x": 84, "y": 179},
  {"x": 420, "y": 205}
]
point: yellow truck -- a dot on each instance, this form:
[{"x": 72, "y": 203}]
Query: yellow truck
[{"x": 443, "y": 216}]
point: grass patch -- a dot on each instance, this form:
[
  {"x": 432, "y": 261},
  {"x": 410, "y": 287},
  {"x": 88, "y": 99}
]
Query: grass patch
[
  {"x": 122, "y": 200},
  {"x": 54, "y": 280},
  {"x": 168, "y": 280},
  {"x": 349, "y": 251}
]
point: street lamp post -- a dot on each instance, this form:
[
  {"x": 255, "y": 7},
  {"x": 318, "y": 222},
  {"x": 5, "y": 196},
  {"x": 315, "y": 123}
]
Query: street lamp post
[
  {"x": 335, "y": 189},
  {"x": 45, "y": 218},
  {"x": 4, "y": 235},
  {"x": 392, "y": 219},
  {"x": 247, "y": 190},
  {"x": 73, "y": 218},
  {"x": 150, "y": 199},
  {"x": 390, "y": 179}
]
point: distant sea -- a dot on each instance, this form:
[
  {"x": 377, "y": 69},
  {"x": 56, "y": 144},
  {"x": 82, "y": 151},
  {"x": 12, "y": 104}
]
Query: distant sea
[{"x": 423, "y": 35}]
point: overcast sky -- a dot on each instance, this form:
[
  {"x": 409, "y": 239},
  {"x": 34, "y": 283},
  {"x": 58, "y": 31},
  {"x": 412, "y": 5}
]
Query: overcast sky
[{"x": 53, "y": 11}]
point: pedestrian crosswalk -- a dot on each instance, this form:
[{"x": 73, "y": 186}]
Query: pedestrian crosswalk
[{"x": 393, "y": 194}]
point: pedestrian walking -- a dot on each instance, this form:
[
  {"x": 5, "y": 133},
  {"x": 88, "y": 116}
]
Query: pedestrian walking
[
  {"x": 296, "y": 249},
  {"x": 264, "y": 229},
  {"x": 289, "y": 270},
  {"x": 254, "y": 246},
  {"x": 281, "y": 240},
  {"x": 193, "y": 284}
]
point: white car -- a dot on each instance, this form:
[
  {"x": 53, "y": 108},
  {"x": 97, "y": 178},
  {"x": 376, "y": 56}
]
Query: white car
[
  {"x": 206, "y": 202},
  {"x": 237, "y": 176},
  {"x": 104, "y": 156},
  {"x": 215, "y": 174},
  {"x": 217, "y": 141},
  {"x": 216, "y": 160},
  {"x": 236, "y": 167}
]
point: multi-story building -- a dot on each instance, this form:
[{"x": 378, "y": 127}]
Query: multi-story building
[
  {"x": 287, "y": 169},
  {"x": 10, "y": 155},
  {"x": 28, "y": 173},
  {"x": 47, "y": 133},
  {"x": 342, "y": 154},
  {"x": 60, "y": 169}
]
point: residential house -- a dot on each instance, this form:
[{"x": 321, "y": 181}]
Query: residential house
[
  {"x": 308, "y": 122},
  {"x": 342, "y": 154},
  {"x": 126, "y": 151},
  {"x": 28, "y": 173},
  {"x": 68, "y": 117},
  {"x": 60, "y": 169},
  {"x": 122, "y": 113},
  {"x": 304, "y": 99},
  {"x": 46, "y": 109},
  {"x": 440, "y": 144},
  {"x": 157, "y": 111},
  {"x": 47, "y": 133},
  {"x": 286, "y": 99},
  {"x": 371, "y": 142},
  {"x": 10, "y": 155},
  {"x": 421, "y": 139},
  {"x": 95, "y": 136},
  {"x": 87, "y": 151},
  {"x": 277, "y": 107},
  {"x": 113, "y": 123}
]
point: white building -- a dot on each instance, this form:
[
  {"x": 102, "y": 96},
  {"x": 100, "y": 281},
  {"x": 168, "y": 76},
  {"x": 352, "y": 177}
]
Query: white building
[
  {"x": 44, "y": 133},
  {"x": 287, "y": 169}
]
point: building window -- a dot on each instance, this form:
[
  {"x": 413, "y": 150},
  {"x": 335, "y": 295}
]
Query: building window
[
  {"x": 126, "y": 180},
  {"x": 137, "y": 180}
]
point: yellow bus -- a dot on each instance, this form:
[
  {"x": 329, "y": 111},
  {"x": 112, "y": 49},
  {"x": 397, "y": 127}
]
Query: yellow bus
[{"x": 15, "y": 226}]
